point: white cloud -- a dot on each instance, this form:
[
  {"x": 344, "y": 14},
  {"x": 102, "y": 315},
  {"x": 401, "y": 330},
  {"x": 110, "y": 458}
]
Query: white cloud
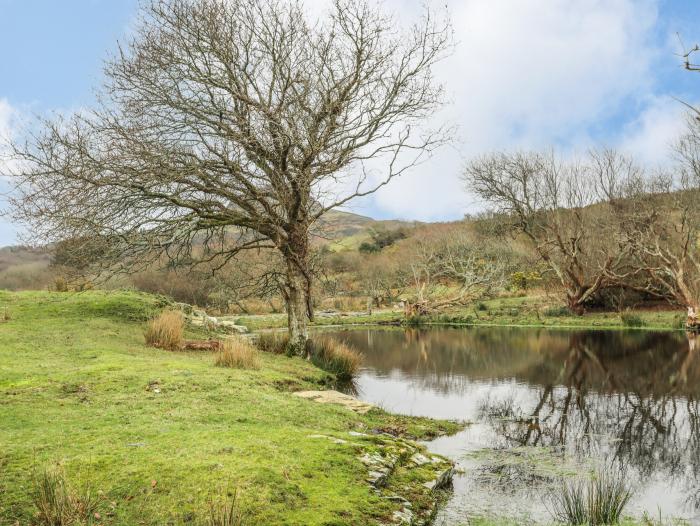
[
  {"x": 8, "y": 117},
  {"x": 527, "y": 74},
  {"x": 650, "y": 137}
]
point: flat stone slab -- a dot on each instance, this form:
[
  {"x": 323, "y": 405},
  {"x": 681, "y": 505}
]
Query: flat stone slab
[{"x": 337, "y": 398}]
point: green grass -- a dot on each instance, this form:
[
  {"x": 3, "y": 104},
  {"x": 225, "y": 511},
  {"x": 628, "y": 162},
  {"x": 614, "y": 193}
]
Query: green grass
[
  {"x": 158, "y": 435},
  {"x": 526, "y": 311}
]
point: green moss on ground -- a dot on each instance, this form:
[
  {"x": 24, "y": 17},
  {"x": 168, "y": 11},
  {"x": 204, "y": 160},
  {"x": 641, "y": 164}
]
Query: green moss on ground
[{"x": 159, "y": 434}]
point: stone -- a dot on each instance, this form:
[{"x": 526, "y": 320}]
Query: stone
[
  {"x": 402, "y": 516},
  {"x": 337, "y": 398},
  {"x": 443, "y": 480},
  {"x": 418, "y": 459},
  {"x": 231, "y": 327}
]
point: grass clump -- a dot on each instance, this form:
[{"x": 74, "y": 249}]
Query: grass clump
[
  {"x": 558, "y": 312},
  {"x": 336, "y": 357},
  {"x": 166, "y": 331},
  {"x": 58, "y": 504},
  {"x": 237, "y": 354},
  {"x": 597, "y": 501},
  {"x": 226, "y": 513},
  {"x": 273, "y": 342},
  {"x": 629, "y": 319}
]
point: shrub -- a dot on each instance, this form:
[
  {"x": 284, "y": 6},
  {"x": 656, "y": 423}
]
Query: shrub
[
  {"x": 597, "y": 501},
  {"x": 59, "y": 505},
  {"x": 237, "y": 354},
  {"x": 60, "y": 284},
  {"x": 273, "y": 342},
  {"x": 166, "y": 331},
  {"x": 630, "y": 319},
  {"x": 557, "y": 312},
  {"x": 227, "y": 513},
  {"x": 482, "y": 306},
  {"x": 336, "y": 357}
]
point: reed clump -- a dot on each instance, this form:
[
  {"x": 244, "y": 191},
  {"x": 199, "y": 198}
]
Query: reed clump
[{"x": 597, "y": 501}]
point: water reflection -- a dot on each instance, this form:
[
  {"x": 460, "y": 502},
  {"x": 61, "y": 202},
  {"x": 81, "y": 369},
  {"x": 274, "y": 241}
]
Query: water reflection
[{"x": 631, "y": 397}]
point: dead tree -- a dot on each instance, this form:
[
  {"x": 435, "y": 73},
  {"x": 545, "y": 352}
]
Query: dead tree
[{"x": 234, "y": 125}]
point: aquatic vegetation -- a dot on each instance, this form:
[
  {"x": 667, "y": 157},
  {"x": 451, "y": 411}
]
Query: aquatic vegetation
[
  {"x": 598, "y": 500},
  {"x": 336, "y": 357}
]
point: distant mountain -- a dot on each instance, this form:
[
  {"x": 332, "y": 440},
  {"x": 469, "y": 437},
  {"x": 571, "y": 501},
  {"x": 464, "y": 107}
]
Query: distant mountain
[{"x": 345, "y": 230}]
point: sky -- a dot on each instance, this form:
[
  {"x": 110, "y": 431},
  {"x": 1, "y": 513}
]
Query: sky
[{"x": 525, "y": 74}]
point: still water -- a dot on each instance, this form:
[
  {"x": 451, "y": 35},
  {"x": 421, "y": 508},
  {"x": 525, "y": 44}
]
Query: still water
[{"x": 546, "y": 404}]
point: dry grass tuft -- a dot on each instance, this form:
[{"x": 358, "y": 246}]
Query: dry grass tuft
[
  {"x": 166, "y": 331},
  {"x": 238, "y": 354},
  {"x": 336, "y": 357},
  {"x": 273, "y": 342},
  {"x": 59, "y": 505},
  {"x": 226, "y": 513}
]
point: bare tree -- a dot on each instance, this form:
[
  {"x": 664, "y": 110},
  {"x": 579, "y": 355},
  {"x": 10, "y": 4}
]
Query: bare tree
[
  {"x": 662, "y": 225},
  {"x": 234, "y": 125},
  {"x": 563, "y": 209},
  {"x": 452, "y": 269}
]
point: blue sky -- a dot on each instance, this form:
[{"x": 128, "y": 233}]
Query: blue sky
[{"x": 526, "y": 74}]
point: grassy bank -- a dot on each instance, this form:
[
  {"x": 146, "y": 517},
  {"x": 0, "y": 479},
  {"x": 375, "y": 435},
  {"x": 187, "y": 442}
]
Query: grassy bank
[
  {"x": 526, "y": 311},
  {"x": 157, "y": 434}
]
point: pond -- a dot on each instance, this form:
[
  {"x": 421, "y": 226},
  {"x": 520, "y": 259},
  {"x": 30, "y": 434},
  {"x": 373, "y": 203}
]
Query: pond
[{"x": 546, "y": 404}]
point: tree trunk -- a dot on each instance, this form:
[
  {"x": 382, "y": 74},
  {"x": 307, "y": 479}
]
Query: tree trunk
[
  {"x": 693, "y": 323},
  {"x": 298, "y": 312},
  {"x": 574, "y": 302}
]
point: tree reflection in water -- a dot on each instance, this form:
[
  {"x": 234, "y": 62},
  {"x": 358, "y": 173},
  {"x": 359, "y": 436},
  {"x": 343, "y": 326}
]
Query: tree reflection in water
[{"x": 626, "y": 396}]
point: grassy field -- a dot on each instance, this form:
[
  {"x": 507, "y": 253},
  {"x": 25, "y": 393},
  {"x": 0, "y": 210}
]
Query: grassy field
[
  {"x": 527, "y": 311},
  {"x": 156, "y": 435}
]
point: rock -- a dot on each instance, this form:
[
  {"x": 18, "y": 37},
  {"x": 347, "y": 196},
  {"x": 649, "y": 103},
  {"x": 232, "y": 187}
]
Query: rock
[
  {"x": 337, "y": 398},
  {"x": 443, "y": 480},
  {"x": 419, "y": 459},
  {"x": 333, "y": 439},
  {"x": 231, "y": 327},
  {"x": 402, "y": 516}
]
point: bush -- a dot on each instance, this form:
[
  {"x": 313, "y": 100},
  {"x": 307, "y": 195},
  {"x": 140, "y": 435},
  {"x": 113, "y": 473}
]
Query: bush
[
  {"x": 336, "y": 357},
  {"x": 630, "y": 319},
  {"x": 558, "y": 312},
  {"x": 482, "y": 306},
  {"x": 273, "y": 342},
  {"x": 166, "y": 331},
  {"x": 59, "y": 505},
  {"x": 597, "y": 501},
  {"x": 237, "y": 354}
]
